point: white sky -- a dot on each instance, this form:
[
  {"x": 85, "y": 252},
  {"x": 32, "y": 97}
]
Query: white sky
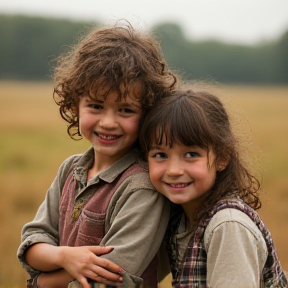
[{"x": 243, "y": 21}]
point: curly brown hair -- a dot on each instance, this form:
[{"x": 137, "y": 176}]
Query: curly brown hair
[
  {"x": 107, "y": 59},
  {"x": 199, "y": 118}
]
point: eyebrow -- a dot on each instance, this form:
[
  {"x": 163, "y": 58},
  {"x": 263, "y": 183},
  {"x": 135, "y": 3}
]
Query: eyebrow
[
  {"x": 94, "y": 100},
  {"x": 102, "y": 101}
]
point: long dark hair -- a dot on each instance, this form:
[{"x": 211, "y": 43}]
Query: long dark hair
[{"x": 199, "y": 118}]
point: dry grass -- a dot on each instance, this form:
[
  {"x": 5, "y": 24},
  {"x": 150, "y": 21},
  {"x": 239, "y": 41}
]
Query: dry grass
[{"x": 34, "y": 143}]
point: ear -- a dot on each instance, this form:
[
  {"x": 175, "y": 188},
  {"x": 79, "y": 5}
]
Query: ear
[{"x": 223, "y": 161}]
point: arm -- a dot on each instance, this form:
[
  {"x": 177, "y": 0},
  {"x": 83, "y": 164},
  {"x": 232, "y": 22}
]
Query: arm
[
  {"x": 40, "y": 239},
  {"x": 45, "y": 226},
  {"x": 236, "y": 251},
  {"x": 136, "y": 221},
  {"x": 138, "y": 216},
  {"x": 86, "y": 262},
  {"x": 136, "y": 226}
]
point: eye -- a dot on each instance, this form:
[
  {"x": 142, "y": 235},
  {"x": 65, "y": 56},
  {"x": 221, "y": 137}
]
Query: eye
[
  {"x": 95, "y": 106},
  {"x": 126, "y": 111},
  {"x": 159, "y": 155},
  {"x": 191, "y": 154}
]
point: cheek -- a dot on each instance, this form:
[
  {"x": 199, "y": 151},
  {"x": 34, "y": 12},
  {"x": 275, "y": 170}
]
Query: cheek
[
  {"x": 155, "y": 173},
  {"x": 132, "y": 127},
  {"x": 211, "y": 179},
  {"x": 85, "y": 123}
]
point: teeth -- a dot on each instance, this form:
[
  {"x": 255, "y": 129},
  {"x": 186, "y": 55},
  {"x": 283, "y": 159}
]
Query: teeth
[
  {"x": 180, "y": 185},
  {"x": 108, "y": 137}
]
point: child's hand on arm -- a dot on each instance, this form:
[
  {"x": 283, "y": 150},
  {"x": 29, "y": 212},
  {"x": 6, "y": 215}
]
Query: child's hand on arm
[
  {"x": 82, "y": 263},
  {"x": 79, "y": 263}
]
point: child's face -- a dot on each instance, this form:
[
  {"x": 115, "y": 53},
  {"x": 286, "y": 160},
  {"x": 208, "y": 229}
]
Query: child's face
[
  {"x": 111, "y": 125},
  {"x": 182, "y": 174}
]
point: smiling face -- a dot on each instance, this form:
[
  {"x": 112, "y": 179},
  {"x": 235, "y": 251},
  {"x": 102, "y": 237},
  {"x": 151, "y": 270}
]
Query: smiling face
[
  {"x": 110, "y": 124},
  {"x": 183, "y": 174}
]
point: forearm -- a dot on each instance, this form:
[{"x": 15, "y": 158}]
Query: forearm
[
  {"x": 56, "y": 279},
  {"x": 44, "y": 257},
  {"x": 80, "y": 262}
]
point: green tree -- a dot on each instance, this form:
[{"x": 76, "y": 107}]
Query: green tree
[
  {"x": 29, "y": 44},
  {"x": 283, "y": 57},
  {"x": 221, "y": 61}
]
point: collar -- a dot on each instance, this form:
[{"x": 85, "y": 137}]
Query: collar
[{"x": 108, "y": 175}]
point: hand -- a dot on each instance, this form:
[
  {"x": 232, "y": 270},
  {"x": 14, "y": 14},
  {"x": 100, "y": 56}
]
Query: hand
[{"x": 82, "y": 262}]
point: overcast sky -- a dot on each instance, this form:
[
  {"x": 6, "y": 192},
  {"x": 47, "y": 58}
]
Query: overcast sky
[{"x": 242, "y": 21}]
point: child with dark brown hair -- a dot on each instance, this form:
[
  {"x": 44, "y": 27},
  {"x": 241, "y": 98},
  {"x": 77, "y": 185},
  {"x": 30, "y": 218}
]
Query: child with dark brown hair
[
  {"x": 103, "y": 87},
  {"x": 215, "y": 237}
]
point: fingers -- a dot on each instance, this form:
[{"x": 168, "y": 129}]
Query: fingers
[
  {"x": 111, "y": 279},
  {"x": 107, "y": 264},
  {"x": 102, "y": 280},
  {"x": 99, "y": 272},
  {"x": 100, "y": 250},
  {"x": 90, "y": 266},
  {"x": 84, "y": 282}
]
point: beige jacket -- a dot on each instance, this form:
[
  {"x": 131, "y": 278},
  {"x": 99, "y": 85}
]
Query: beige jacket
[{"x": 136, "y": 217}]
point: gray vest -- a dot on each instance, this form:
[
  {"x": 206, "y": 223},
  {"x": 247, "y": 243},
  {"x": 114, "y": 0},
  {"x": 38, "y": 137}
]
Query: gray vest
[{"x": 192, "y": 272}]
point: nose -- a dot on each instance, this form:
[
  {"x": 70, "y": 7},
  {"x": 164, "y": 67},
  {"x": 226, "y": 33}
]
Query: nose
[
  {"x": 175, "y": 167},
  {"x": 108, "y": 120}
]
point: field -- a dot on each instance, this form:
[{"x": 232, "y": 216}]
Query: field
[{"x": 34, "y": 142}]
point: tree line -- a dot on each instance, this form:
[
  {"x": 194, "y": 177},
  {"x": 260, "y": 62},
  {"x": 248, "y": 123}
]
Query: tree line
[{"x": 30, "y": 45}]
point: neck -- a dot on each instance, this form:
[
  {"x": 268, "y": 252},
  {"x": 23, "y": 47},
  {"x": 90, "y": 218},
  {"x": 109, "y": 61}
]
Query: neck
[
  {"x": 191, "y": 208},
  {"x": 190, "y": 216}
]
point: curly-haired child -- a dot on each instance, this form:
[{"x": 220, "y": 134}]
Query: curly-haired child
[{"x": 104, "y": 86}]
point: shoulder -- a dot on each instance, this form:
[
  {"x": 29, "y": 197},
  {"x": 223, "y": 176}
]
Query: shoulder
[
  {"x": 73, "y": 159},
  {"x": 137, "y": 177},
  {"x": 68, "y": 164},
  {"x": 234, "y": 246},
  {"x": 231, "y": 215},
  {"x": 231, "y": 221},
  {"x": 136, "y": 186},
  {"x": 139, "y": 187},
  {"x": 136, "y": 193}
]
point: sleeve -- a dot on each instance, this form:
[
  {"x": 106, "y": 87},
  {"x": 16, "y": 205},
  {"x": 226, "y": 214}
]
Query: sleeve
[
  {"x": 137, "y": 225},
  {"x": 236, "y": 251},
  {"x": 44, "y": 227}
]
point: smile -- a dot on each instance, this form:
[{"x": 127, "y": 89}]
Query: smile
[
  {"x": 107, "y": 137},
  {"x": 178, "y": 185}
]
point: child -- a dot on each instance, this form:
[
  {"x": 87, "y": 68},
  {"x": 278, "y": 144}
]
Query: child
[
  {"x": 103, "y": 87},
  {"x": 215, "y": 237}
]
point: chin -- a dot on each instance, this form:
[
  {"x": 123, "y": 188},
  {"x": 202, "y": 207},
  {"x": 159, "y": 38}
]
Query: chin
[{"x": 176, "y": 201}]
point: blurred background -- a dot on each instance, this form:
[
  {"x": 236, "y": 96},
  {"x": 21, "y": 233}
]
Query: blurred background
[{"x": 240, "y": 45}]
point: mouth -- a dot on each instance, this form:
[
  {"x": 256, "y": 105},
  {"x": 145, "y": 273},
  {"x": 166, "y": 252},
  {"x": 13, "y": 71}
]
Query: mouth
[
  {"x": 107, "y": 136},
  {"x": 178, "y": 185}
]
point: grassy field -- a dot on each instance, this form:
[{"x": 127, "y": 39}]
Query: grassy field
[{"x": 34, "y": 142}]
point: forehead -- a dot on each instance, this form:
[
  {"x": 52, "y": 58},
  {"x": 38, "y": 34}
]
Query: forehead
[
  {"x": 126, "y": 92},
  {"x": 173, "y": 133},
  {"x": 113, "y": 99},
  {"x": 135, "y": 89}
]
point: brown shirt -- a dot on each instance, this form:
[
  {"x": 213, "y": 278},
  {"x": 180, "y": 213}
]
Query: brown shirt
[{"x": 135, "y": 219}]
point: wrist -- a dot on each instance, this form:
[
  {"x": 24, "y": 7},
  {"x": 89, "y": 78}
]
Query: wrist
[{"x": 60, "y": 256}]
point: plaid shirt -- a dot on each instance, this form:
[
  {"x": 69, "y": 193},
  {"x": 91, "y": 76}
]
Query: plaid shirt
[{"x": 192, "y": 271}]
